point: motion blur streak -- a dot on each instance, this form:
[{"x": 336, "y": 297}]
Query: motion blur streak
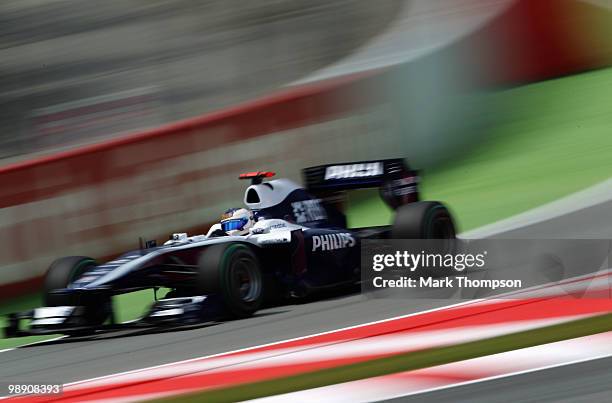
[{"x": 418, "y": 383}]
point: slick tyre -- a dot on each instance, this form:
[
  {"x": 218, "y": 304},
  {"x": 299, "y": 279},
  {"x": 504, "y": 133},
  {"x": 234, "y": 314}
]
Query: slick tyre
[
  {"x": 64, "y": 271},
  {"x": 430, "y": 221},
  {"x": 232, "y": 272},
  {"x": 423, "y": 220}
]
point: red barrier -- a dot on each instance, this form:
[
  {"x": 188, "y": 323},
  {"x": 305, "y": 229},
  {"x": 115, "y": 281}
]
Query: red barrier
[
  {"x": 541, "y": 39},
  {"x": 296, "y": 107}
]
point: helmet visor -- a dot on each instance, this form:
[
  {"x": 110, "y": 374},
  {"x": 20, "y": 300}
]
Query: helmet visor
[{"x": 234, "y": 224}]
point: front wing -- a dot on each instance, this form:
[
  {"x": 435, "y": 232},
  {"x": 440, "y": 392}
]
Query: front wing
[{"x": 72, "y": 320}]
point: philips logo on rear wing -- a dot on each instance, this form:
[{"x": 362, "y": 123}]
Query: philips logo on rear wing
[{"x": 362, "y": 170}]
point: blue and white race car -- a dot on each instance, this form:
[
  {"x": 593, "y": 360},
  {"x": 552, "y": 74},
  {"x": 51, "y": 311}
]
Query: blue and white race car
[{"x": 287, "y": 241}]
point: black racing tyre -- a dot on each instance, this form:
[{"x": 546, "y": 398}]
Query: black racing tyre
[
  {"x": 423, "y": 220},
  {"x": 232, "y": 271},
  {"x": 60, "y": 274}
]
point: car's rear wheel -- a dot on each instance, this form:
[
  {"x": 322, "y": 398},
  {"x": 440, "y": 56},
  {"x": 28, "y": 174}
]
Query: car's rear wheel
[
  {"x": 430, "y": 221},
  {"x": 423, "y": 220},
  {"x": 232, "y": 271},
  {"x": 64, "y": 271}
]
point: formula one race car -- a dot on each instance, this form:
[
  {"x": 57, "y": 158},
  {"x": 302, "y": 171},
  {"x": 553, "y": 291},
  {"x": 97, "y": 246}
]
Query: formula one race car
[{"x": 289, "y": 241}]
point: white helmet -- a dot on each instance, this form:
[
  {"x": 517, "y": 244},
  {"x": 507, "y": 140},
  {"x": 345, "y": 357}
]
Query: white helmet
[{"x": 237, "y": 221}]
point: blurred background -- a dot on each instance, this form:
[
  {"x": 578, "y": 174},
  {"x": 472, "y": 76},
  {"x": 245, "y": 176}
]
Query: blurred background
[
  {"x": 74, "y": 71},
  {"x": 121, "y": 119}
]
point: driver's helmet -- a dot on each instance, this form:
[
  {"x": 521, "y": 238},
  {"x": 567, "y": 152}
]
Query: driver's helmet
[{"x": 237, "y": 221}]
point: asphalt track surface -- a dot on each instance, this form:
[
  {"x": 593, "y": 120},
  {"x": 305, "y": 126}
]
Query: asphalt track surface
[{"x": 589, "y": 223}]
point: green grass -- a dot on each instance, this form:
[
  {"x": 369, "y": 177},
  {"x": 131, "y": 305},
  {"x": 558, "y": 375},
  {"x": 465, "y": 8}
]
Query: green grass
[
  {"x": 548, "y": 140},
  {"x": 17, "y": 305},
  {"x": 134, "y": 305},
  {"x": 402, "y": 362}
]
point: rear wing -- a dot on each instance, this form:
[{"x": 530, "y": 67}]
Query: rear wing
[{"x": 398, "y": 183}]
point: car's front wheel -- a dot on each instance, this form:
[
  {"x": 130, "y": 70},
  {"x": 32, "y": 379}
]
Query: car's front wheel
[
  {"x": 232, "y": 271},
  {"x": 64, "y": 271}
]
